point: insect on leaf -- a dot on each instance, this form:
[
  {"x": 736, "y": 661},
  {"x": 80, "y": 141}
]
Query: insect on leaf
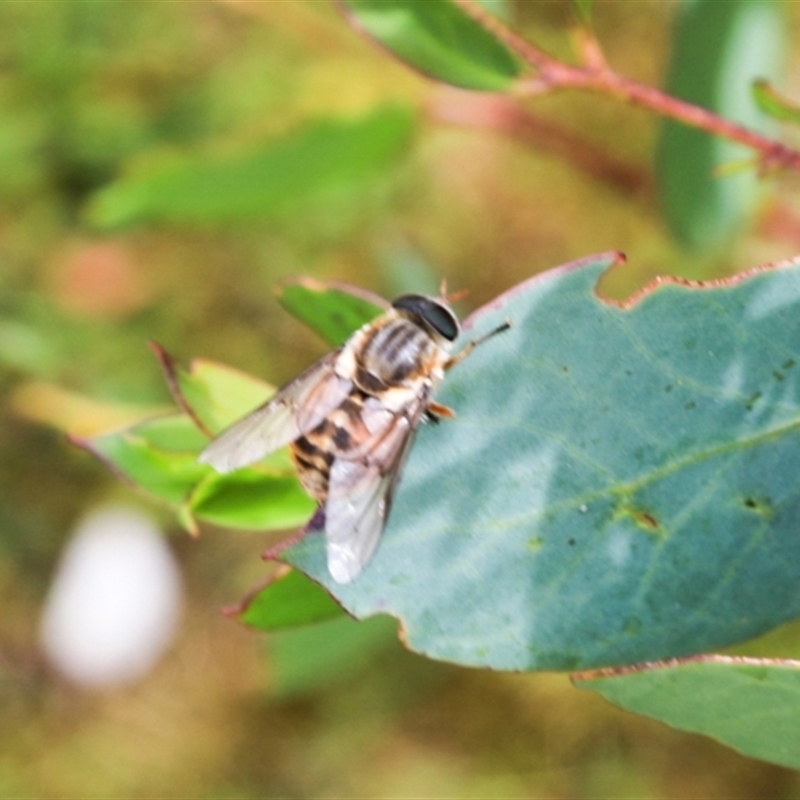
[{"x": 619, "y": 483}]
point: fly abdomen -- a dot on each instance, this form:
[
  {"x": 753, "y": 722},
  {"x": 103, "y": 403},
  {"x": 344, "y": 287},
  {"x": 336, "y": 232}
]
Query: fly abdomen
[
  {"x": 314, "y": 453},
  {"x": 313, "y": 464}
]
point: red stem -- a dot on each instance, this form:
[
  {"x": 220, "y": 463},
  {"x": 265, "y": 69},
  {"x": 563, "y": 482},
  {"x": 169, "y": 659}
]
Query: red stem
[{"x": 596, "y": 75}]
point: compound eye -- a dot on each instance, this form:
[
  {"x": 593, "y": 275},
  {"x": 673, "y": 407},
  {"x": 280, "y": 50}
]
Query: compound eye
[{"x": 433, "y": 313}]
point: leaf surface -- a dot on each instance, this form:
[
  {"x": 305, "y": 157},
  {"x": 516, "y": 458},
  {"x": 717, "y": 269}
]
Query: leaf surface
[
  {"x": 583, "y": 10},
  {"x": 775, "y": 104},
  {"x": 750, "y": 704},
  {"x": 332, "y": 310},
  {"x": 438, "y": 39},
  {"x": 718, "y": 50},
  {"x": 213, "y": 394},
  {"x": 619, "y": 485},
  {"x": 308, "y": 166},
  {"x": 307, "y": 658},
  {"x": 289, "y": 600},
  {"x": 255, "y": 498},
  {"x": 158, "y": 455}
]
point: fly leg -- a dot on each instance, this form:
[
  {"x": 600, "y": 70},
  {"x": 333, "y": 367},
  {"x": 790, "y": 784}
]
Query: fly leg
[
  {"x": 470, "y": 346},
  {"x": 436, "y": 412}
]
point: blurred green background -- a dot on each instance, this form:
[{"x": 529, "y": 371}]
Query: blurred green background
[{"x": 163, "y": 166}]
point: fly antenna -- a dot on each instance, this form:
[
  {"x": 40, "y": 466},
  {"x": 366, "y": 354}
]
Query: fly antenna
[
  {"x": 456, "y": 296},
  {"x": 451, "y": 298}
]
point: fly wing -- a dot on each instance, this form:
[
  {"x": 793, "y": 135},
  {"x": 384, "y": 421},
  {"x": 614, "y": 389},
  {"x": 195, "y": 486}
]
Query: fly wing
[
  {"x": 360, "y": 492},
  {"x": 294, "y": 410}
]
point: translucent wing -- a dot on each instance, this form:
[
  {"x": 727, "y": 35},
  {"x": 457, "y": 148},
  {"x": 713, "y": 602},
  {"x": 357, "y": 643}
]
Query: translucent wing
[
  {"x": 360, "y": 492},
  {"x": 294, "y": 410}
]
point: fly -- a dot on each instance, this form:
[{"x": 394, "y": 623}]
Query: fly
[{"x": 349, "y": 421}]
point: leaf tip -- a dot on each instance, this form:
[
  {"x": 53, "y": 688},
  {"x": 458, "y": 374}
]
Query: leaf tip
[{"x": 170, "y": 368}]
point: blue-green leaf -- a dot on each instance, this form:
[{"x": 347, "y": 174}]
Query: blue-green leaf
[
  {"x": 619, "y": 485},
  {"x": 751, "y": 704}
]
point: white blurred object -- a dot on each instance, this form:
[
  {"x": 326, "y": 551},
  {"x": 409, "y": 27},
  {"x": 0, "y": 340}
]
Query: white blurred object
[{"x": 114, "y": 602}]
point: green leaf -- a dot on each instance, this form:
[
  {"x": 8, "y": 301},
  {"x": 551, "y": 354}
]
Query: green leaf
[
  {"x": 619, "y": 485},
  {"x": 750, "y": 704},
  {"x": 158, "y": 455},
  {"x": 718, "y": 50},
  {"x": 333, "y": 310},
  {"x": 252, "y": 498},
  {"x": 170, "y": 433},
  {"x": 583, "y": 9},
  {"x": 438, "y": 39},
  {"x": 213, "y": 394},
  {"x": 311, "y": 656},
  {"x": 775, "y": 104},
  {"x": 290, "y": 600},
  {"x": 497, "y": 8},
  {"x": 311, "y": 165},
  {"x": 267, "y": 496}
]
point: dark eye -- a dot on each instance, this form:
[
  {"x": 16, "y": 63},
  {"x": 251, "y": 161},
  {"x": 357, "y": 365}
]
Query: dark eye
[{"x": 433, "y": 313}]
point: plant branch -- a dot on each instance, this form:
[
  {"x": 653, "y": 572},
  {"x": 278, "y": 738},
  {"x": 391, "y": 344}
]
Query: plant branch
[{"x": 594, "y": 74}]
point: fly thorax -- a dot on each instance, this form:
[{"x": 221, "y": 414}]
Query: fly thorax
[{"x": 395, "y": 354}]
